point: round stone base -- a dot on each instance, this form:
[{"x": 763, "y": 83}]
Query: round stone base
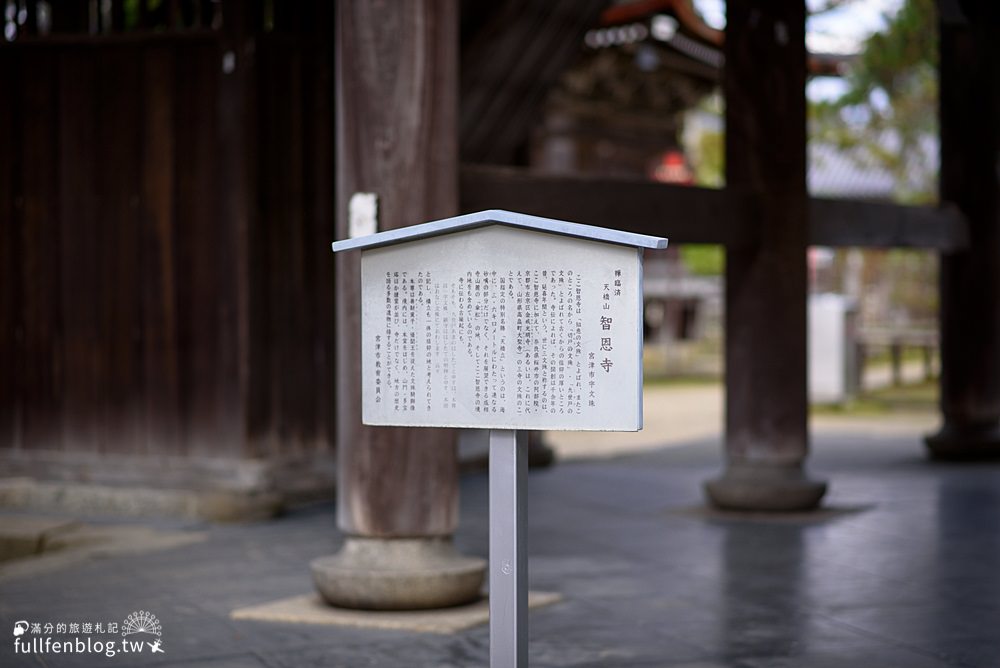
[
  {"x": 764, "y": 487},
  {"x": 398, "y": 574},
  {"x": 965, "y": 442}
]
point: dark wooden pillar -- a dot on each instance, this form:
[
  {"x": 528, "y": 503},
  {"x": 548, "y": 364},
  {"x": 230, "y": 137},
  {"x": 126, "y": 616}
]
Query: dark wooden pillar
[
  {"x": 397, "y": 137},
  {"x": 970, "y": 279},
  {"x": 766, "y": 401}
]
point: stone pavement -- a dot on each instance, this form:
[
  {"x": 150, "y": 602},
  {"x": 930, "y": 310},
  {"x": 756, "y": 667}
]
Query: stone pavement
[
  {"x": 903, "y": 569},
  {"x": 679, "y": 414}
]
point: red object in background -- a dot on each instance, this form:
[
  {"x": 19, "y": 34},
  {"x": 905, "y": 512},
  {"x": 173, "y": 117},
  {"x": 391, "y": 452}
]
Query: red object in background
[{"x": 673, "y": 168}]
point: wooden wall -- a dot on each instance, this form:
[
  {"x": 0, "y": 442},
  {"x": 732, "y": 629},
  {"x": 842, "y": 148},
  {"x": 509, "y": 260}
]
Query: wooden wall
[
  {"x": 166, "y": 282},
  {"x": 292, "y": 282}
]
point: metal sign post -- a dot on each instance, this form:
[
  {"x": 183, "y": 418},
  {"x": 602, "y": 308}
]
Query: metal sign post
[
  {"x": 507, "y": 322},
  {"x": 508, "y": 550}
]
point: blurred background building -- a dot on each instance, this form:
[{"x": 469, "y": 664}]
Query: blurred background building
[{"x": 167, "y": 177}]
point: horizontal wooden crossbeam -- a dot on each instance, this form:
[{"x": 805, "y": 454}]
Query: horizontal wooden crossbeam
[
  {"x": 703, "y": 215},
  {"x": 845, "y": 222}
]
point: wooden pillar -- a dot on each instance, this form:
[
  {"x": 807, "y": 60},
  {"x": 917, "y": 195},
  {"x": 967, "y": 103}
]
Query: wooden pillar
[
  {"x": 970, "y": 279},
  {"x": 766, "y": 397},
  {"x": 397, "y": 137}
]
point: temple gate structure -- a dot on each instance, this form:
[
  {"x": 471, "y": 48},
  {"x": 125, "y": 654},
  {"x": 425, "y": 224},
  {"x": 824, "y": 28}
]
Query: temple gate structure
[{"x": 173, "y": 331}]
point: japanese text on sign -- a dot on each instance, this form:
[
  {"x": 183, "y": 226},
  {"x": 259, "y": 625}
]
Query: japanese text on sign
[{"x": 535, "y": 331}]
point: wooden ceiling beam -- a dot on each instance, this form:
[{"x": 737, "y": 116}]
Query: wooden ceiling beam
[{"x": 703, "y": 215}]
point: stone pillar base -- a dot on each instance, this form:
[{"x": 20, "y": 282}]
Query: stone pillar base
[
  {"x": 764, "y": 487},
  {"x": 968, "y": 442},
  {"x": 398, "y": 574}
]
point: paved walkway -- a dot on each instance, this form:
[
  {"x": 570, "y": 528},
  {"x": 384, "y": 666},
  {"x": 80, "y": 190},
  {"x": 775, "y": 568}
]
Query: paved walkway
[
  {"x": 901, "y": 570},
  {"x": 679, "y": 414}
]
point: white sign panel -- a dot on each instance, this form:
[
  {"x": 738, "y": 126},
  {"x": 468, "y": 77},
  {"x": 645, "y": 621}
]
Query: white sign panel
[{"x": 502, "y": 328}]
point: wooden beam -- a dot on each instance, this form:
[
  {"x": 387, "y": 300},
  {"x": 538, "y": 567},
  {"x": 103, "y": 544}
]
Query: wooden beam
[
  {"x": 699, "y": 215},
  {"x": 844, "y": 222},
  {"x": 704, "y": 215}
]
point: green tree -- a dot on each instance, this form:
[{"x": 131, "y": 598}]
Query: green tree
[
  {"x": 887, "y": 119},
  {"x": 888, "y": 114}
]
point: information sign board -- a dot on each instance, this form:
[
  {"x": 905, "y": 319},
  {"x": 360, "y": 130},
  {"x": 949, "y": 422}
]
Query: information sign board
[
  {"x": 502, "y": 321},
  {"x": 502, "y": 328}
]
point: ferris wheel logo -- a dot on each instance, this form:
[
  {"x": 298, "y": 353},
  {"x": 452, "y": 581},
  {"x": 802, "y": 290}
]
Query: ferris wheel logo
[{"x": 141, "y": 621}]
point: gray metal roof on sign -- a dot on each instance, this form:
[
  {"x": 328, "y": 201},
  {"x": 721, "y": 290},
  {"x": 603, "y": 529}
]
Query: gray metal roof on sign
[{"x": 499, "y": 217}]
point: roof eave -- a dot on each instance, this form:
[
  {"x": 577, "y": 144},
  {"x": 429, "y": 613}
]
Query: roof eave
[{"x": 500, "y": 217}]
